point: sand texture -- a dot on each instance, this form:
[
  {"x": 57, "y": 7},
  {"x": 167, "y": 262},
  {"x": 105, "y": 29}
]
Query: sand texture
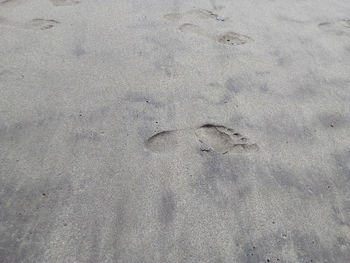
[{"x": 149, "y": 131}]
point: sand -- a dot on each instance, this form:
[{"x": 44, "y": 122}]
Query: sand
[{"x": 174, "y": 131}]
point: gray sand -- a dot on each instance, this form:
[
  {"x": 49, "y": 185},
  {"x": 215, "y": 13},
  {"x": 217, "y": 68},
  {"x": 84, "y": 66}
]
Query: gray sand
[{"x": 144, "y": 131}]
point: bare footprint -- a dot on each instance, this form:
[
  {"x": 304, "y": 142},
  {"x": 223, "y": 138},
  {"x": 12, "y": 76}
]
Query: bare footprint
[
  {"x": 43, "y": 24},
  {"x": 223, "y": 140},
  {"x": 9, "y": 3},
  {"x": 233, "y": 39},
  {"x": 36, "y": 23},
  {"x": 215, "y": 138},
  {"x": 194, "y": 29},
  {"x": 165, "y": 141},
  {"x": 227, "y": 38},
  {"x": 173, "y": 16},
  {"x": 346, "y": 22},
  {"x": 205, "y": 14},
  {"x": 199, "y": 12},
  {"x": 64, "y": 2},
  {"x": 3, "y": 20},
  {"x": 339, "y": 27}
]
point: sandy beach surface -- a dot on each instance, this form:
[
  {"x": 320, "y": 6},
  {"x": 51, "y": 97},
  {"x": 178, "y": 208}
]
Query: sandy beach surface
[{"x": 149, "y": 131}]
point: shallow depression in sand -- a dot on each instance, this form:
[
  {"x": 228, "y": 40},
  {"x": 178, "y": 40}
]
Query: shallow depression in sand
[
  {"x": 162, "y": 142},
  {"x": 223, "y": 140},
  {"x": 233, "y": 39}
]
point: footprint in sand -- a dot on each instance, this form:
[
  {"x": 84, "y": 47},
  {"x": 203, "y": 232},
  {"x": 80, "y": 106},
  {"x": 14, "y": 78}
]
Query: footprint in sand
[
  {"x": 36, "y": 23},
  {"x": 206, "y": 14},
  {"x": 199, "y": 12},
  {"x": 64, "y": 2},
  {"x": 233, "y": 39},
  {"x": 221, "y": 139},
  {"x": 226, "y": 38},
  {"x": 165, "y": 141},
  {"x": 173, "y": 16},
  {"x": 10, "y": 3},
  {"x": 43, "y": 24},
  {"x": 194, "y": 29},
  {"x": 346, "y": 23},
  {"x": 340, "y": 27},
  {"x": 215, "y": 138}
]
